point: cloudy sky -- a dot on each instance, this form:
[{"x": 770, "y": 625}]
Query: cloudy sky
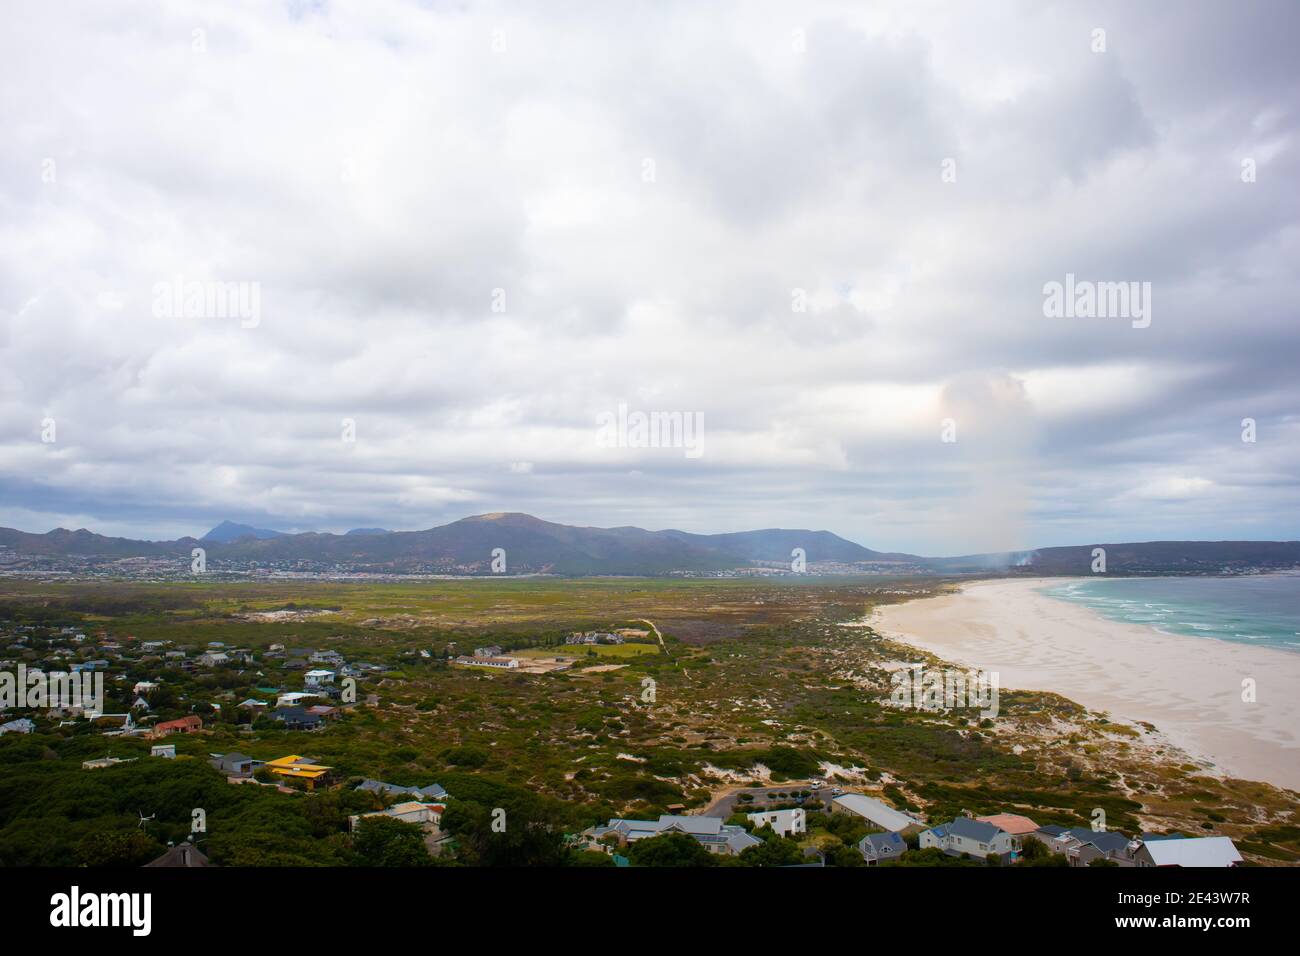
[{"x": 473, "y": 230}]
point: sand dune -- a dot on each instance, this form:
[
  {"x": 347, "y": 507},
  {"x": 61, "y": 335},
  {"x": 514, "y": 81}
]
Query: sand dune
[{"x": 1189, "y": 688}]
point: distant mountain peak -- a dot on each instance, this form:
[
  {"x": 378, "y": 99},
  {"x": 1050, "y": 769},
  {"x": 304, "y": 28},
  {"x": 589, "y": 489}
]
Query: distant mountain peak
[{"x": 230, "y": 531}]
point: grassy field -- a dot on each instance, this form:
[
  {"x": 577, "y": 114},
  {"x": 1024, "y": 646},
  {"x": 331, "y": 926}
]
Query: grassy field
[{"x": 761, "y": 681}]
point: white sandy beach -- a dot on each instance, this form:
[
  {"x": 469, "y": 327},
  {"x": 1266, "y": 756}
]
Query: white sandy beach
[{"x": 1189, "y": 688}]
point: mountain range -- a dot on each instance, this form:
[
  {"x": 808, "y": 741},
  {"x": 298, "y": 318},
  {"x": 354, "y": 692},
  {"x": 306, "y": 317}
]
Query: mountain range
[{"x": 532, "y": 545}]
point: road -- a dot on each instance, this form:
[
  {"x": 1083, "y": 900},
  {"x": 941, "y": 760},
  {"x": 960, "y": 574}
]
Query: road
[
  {"x": 725, "y": 805},
  {"x": 662, "y": 646}
]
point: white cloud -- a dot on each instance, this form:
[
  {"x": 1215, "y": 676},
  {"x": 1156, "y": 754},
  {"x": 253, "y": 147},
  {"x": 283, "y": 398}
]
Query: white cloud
[{"x": 380, "y": 171}]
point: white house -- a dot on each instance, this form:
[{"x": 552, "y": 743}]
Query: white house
[
  {"x": 20, "y": 726},
  {"x": 504, "y": 663},
  {"x": 428, "y": 815},
  {"x": 782, "y": 822},
  {"x": 163, "y": 750},
  {"x": 318, "y": 678},
  {"x": 293, "y": 698}
]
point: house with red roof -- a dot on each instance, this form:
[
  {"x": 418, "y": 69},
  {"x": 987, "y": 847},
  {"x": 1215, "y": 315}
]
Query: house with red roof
[{"x": 185, "y": 725}]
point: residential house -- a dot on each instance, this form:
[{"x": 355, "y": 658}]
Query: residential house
[
  {"x": 235, "y": 764},
  {"x": 294, "y": 698},
  {"x": 1215, "y": 851},
  {"x": 123, "y": 723},
  {"x": 970, "y": 837},
  {"x": 432, "y": 792},
  {"x": 594, "y": 637},
  {"x": 191, "y": 724},
  {"x": 879, "y": 847},
  {"x": 183, "y": 854},
  {"x": 213, "y": 659},
  {"x": 410, "y": 812},
  {"x": 1082, "y": 845},
  {"x": 101, "y": 762},
  {"x": 1104, "y": 845},
  {"x": 428, "y": 816},
  {"x": 167, "y": 751},
  {"x": 302, "y": 769},
  {"x": 1012, "y": 823},
  {"x": 144, "y": 687},
  {"x": 782, "y": 822},
  {"x": 711, "y": 832},
  {"x": 22, "y": 725},
  {"x": 504, "y": 663},
  {"x": 297, "y": 718},
  {"x": 875, "y": 812},
  {"x": 318, "y": 678}
]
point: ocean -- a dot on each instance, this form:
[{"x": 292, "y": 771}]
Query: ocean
[{"x": 1259, "y": 609}]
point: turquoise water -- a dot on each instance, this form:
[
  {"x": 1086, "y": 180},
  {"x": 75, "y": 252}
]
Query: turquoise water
[{"x": 1261, "y": 609}]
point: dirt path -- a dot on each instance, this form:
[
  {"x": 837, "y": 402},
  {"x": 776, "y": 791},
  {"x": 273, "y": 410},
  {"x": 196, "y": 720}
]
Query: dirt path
[{"x": 662, "y": 646}]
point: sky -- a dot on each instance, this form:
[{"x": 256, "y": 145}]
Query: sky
[{"x": 459, "y": 236}]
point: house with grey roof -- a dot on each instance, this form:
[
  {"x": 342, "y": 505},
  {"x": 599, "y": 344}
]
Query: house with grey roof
[
  {"x": 23, "y": 725},
  {"x": 1082, "y": 845},
  {"x": 432, "y": 792},
  {"x": 879, "y": 847},
  {"x": 968, "y": 837},
  {"x": 875, "y": 812},
  {"x": 234, "y": 764},
  {"x": 183, "y": 854},
  {"x": 711, "y": 832}
]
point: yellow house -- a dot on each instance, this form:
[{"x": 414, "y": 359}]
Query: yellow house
[{"x": 295, "y": 767}]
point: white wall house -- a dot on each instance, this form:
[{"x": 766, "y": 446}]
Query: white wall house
[
  {"x": 782, "y": 822},
  {"x": 972, "y": 837}
]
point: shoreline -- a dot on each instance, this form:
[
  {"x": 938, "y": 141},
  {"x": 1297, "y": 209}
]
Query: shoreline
[{"x": 1188, "y": 688}]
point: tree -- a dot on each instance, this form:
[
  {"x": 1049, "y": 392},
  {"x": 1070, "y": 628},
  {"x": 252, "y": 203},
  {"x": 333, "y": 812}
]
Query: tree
[
  {"x": 384, "y": 841},
  {"x": 523, "y": 834},
  {"x": 776, "y": 851},
  {"x": 118, "y": 848},
  {"x": 845, "y": 856},
  {"x": 590, "y": 858},
  {"x": 670, "y": 849}
]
